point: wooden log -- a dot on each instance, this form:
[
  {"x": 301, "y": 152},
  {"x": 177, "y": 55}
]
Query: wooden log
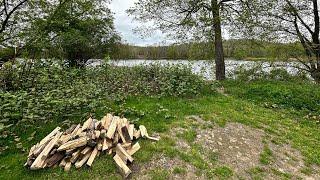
[
  {"x": 143, "y": 131},
  {"x": 49, "y": 147},
  {"x": 85, "y": 150},
  {"x": 53, "y": 133},
  {"x": 116, "y": 138},
  {"x": 105, "y": 145},
  {"x": 122, "y": 166},
  {"x": 110, "y": 151},
  {"x": 125, "y": 134},
  {"x": 119, "y": 131},
  {"x": 137, "y": 134},
  {"x": 92, "y": 157},
  {"x": 100, "y": 144},
  {"x": 126, "y": 145},
  {"x": 92, "y": 125},
  {"x": 63, "y": 162},
  {"x": 131, "y": 131},
  {"x": 107, "y": 122},
  {"x": 70, "y": 130},
  {"x": 112, "y": 128},
  {"x": 40, "y": 148},
  {"x": 64, "y": 138},
  {"x": 73, "y": 144},
  {"x": 81, "y": 162},
  {"x": 53, "y": 160},
  {"x": 97, "y": 134},
  {"x": 97, "y": 125},
  {"x": 67, "y": 167},
  {"x": 75, "y": 131},
  {"x": 134, "y": 149},
  {"x": 75, "y": 156},
  {"x": 121, "y": 151},
  {"x": 87, "y": 124},
  {"x": 40, "y": 160}
]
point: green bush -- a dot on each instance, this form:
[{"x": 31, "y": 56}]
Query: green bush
[
  {"x": 257, "y": 73},
  {"x": 36, "y": 91}
]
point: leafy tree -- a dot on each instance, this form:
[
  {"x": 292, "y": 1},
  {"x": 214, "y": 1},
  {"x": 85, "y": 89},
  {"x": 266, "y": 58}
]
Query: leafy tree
[
  {"x": 73, "y": 29},
  {"x": 12, "y": 13},
  {"x": 289, "y": 20},
  {"x": 191, "y": 19}
]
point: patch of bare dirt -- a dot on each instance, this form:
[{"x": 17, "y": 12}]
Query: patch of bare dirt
[
  {"x": 290, "y": 161},
  {"x": 238, "y": 146},
  {"x": 167, "y": 164}
]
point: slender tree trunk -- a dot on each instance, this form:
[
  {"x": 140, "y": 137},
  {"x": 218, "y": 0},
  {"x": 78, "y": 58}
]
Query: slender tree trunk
[{"x": 219, "y": 56}]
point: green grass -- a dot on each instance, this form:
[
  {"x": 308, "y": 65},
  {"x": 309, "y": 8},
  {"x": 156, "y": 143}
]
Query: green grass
[
  {"x": 223, "y": 172},
  {"x": 266, "y": 156},
  {"x": 179, "y": 170},
  {"x": 245, "y": 104}
]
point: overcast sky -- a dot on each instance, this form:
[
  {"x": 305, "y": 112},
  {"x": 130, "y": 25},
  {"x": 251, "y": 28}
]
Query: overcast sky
[{"x": 125, "y": 25}]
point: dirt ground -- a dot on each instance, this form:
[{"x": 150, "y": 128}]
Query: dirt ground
[{"x": 236, "y": 146}]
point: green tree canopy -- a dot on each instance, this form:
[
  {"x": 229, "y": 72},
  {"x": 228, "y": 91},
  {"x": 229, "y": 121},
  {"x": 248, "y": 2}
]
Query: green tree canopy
[{"x": 76, "y": 30}]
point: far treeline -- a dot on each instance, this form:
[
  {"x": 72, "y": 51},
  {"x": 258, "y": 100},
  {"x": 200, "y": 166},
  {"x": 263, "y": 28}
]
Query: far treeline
[{"x": 240, "y": 49}]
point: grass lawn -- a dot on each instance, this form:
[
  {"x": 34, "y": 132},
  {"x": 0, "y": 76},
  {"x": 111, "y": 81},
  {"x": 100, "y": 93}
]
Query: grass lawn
[{"x": 287, "y": 113}]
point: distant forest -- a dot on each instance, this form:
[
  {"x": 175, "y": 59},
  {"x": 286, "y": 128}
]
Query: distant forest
[{"x": 237, "y": 49}]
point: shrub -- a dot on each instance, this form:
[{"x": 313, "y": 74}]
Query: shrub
[{"x": 34, "y": 91}]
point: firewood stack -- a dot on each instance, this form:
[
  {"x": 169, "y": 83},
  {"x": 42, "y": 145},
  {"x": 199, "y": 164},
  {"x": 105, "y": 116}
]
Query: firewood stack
[{"x": 80, "y": 145}]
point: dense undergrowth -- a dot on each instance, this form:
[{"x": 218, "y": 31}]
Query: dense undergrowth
[
  {"x": 38, "y": 91},
  {"x": 36, "y": 97}
]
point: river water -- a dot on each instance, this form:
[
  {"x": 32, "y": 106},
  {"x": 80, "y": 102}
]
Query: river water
[{"x": 203, "y": 67}]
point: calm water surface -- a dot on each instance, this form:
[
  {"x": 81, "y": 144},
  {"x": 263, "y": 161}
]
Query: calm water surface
[{"x": 203, "y": 67}]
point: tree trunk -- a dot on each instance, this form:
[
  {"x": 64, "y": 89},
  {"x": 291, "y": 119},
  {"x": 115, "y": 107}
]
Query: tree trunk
[{"x": 219, "y": 56}]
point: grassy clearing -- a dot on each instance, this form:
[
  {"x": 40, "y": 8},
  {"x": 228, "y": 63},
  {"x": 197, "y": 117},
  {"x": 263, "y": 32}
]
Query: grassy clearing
[{"x": 286, "y": 123}]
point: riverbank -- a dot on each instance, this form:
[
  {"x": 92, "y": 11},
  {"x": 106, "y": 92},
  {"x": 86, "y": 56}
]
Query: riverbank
[{"x": 269, "y": 128}]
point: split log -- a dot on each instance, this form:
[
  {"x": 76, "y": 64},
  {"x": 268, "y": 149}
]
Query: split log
[
  {"x": 53, "y": 160},
  {"x": 131, "y": 131},
  {"x": 75, "y": 131},
  {"x": 67, "y": 167},
  {"x": 125, "y": 134},
  {"x": 73, "y": 144},
  {"x": 122, "y": 166},
  {"x": 39, "y": 161},
  {"x": 87, "y": 124},
  {"x": 75, "y": 156},
  {"x": 92, "y": 157},
  {"x": 112, "y": 128},
  {"x": 137, "y": 134},
  {"x": 85, "y": 150},
  {"x": 134, "y": 149},
  {"x": 81, "y": 162},
  {"x": 121, "y": 151}
]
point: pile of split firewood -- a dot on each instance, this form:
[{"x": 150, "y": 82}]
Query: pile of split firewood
[{"x": 80, "y": 145}]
